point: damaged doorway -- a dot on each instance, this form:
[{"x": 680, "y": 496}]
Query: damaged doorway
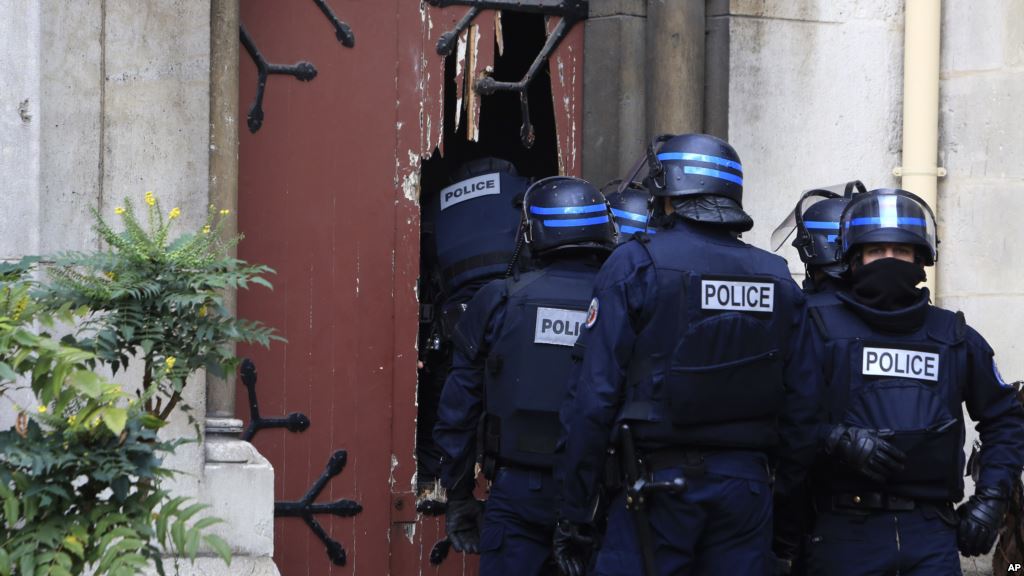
[
  {"x": 477, "y": 128},
  {"x": 328, "y": 193}
]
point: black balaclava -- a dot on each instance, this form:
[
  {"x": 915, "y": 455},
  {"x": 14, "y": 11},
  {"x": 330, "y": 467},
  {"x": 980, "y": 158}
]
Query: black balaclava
[{"x": 887, "y": 284}]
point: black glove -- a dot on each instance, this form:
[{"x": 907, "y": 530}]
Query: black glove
[
  {"x": 865, "y": 451},
  {"x": 462, "y": 521},
  {"x": 980, "y": 518},
  {"x": 573, "y": 546}
]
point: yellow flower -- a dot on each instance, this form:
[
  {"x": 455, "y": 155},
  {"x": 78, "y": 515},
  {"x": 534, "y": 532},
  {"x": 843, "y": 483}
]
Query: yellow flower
[
  {"x": 225, "y": 212},
  {"x": 110, "y": 275},
  {"x": 20, "y": 307},
  {"x": 206, "y": 229},
  {"x": 175, "y": 212},
  {"x": 202, "y": 311},
  {"x": 42, "y": 409},
  {"x": 170, "y": 362},
  {"x": 119, "y": 210},
  {"x": 150, "y": 198},
  {"x": 72, "y": 419}
]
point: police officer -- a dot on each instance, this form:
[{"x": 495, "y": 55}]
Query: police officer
[
  {"x": 471, "y": 226},
  {"x": 511, "y": 364},
  {"x": 692, "y": 341},
  {"x": 898, "y": 371},
  {"x": 630, "y": 209},
  {"x": 815, "y": 220}
]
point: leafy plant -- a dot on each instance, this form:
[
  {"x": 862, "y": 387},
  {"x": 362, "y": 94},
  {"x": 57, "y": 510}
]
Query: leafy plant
[
  {"x": 80, "y": 475},
  {"x": 158, "y": 300}
]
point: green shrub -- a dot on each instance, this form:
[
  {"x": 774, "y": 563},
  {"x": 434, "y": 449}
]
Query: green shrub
[{"x": 80, "y": 476}]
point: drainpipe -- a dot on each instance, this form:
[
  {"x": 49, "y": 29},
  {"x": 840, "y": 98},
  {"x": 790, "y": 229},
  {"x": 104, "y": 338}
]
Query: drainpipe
[
  {"x": 223, "y": 180},
  {"x": 919, "y": 171},
  {"x": 675, "y": 67}
]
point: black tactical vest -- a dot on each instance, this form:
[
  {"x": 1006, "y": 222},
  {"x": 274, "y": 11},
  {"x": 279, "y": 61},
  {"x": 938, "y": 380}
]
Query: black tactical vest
[
  {"x": 707, "y": 367},
  {"x": 906, "y": 388},
  {"x": 528, "y": 367}
]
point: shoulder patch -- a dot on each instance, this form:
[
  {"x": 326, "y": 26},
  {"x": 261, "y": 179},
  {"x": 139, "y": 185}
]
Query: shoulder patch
[
  {"x": 592, "y": 313},
  {"x": 999, "y": 377}
]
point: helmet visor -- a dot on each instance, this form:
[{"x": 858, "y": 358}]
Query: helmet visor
[
  {"x": 785, "y": 229},
  {"x": 888, "y": 218}
]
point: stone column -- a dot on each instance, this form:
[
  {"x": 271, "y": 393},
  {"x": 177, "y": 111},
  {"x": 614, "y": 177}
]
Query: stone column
[
  {"x": 614, "y": 130},
  {"x": 223, "y": 179},
  {"x": 675, "y": 67},
  {"x": 238, "y": 481}
]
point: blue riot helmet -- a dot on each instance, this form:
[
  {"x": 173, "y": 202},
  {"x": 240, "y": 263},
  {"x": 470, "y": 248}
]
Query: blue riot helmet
[
  {"x": 631, "y": 208},
  {"x": 889, "y": 215},
  {"x": 703, "y": 177},
  {"x": 815, "y": 219},
  {"x": 563, "y": 212},
  {"x": 695, "y": 164},
  {"x": 485, "y": 165}
]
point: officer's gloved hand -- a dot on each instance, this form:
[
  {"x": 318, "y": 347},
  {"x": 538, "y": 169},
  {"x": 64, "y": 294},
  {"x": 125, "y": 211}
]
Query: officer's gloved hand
[
  {"x": 865, "y": 451},
  {"x": 980, "y": 518},
  {"x": 574, "y": 544},
  {"x": 462, "y": 521}
]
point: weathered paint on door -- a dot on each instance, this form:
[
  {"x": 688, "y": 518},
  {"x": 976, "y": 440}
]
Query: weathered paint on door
[{"x": 328, "y": 196}]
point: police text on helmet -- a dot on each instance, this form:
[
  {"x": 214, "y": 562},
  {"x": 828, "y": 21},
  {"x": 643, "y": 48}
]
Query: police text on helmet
[{"x": 470, "y": 189}]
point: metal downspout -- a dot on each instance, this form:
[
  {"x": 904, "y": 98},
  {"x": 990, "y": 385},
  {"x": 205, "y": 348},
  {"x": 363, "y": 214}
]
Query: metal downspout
[{"x": 919, "y": 172}]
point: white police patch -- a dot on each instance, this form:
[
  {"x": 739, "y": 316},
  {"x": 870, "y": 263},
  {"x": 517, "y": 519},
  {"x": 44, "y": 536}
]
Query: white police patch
[
  {"x": 558, "y": 326},
  {"x": 736, "y": 295},
  {"x": 900, "y": 363},
  {"x": 470, "y": 189},
  {"x": 592, "y": 313}
]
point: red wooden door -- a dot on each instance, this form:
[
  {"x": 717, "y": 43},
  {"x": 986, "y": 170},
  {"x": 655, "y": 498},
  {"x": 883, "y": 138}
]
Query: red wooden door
[{"x": 328, "y": 196}]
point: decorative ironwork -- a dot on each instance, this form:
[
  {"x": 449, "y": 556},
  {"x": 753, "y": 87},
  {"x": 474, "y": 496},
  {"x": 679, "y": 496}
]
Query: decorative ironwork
[
  {"x": 570, "y": 11},
  {"x": 302, "y": 70},
  {"x": 440, "y": 551},
  {"x": 342, "y": 31},
  {"x": 306, "y": 508},
  {"x": 294, "y": 422},
  {"x": 430, "y": 507}
]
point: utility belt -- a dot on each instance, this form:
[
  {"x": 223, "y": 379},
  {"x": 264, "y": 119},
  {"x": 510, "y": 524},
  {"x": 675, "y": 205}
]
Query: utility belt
[
  {"x": 690, "y": 461},
  {"x": 694, "y": 463},
  {"x": 491, "y": 464},
  {"x": 867, "y": 502}
]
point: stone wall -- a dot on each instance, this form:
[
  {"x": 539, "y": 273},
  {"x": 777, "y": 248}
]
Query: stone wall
[
  {"x": 813, "y": 96},
  {"x": 102, "y": 100}
]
